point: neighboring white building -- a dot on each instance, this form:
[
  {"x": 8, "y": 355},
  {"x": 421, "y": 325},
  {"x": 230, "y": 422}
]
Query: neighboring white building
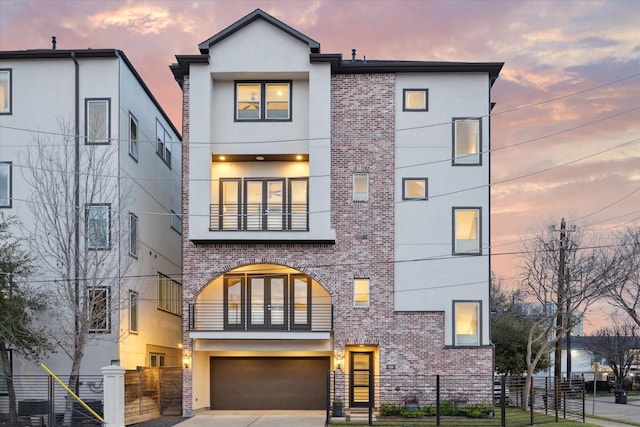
[
  {"x": 338, "y": 220},
  {"x": 96, "y": 98}
]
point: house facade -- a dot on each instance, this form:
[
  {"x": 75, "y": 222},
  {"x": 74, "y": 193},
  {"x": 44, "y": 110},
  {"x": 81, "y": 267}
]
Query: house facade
[
  {"x": 87, "y": 113},
  {"x": 336, "y": 221}
]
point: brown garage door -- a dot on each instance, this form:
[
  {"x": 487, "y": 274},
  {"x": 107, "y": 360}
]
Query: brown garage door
[{"x": 269, "y": 382}]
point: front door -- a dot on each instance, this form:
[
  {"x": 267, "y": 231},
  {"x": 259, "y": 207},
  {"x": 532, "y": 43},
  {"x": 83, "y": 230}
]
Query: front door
[
  {"x": 267, "y": 297},
  {"x": 361, "y": 388}
]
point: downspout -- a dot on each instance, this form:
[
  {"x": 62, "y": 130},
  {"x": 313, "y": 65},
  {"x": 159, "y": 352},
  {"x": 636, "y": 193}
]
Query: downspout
[{"x": 76, "y": 194}]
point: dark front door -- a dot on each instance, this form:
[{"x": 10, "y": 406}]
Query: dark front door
[{"x": 361, "y": 371}]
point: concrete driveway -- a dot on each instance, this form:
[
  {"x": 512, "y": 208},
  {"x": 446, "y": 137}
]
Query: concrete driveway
[{"x": 256, "y": 419}]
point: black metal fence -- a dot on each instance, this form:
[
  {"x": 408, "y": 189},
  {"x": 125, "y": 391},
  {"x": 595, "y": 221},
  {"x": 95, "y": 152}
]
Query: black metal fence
[
  {"x": 498, "y": 401},
  {"x": 41, "y": 401}
]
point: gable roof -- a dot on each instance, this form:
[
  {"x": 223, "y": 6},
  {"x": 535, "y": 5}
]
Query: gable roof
[{"x": 204, "y": 47}]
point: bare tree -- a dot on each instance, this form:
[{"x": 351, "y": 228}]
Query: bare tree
[
  {"x": 76, "y": 205},
  {"x": 619, "y": 346},
  {"x": 623, "y": 289},
  {"x": 565, "y": 276}
]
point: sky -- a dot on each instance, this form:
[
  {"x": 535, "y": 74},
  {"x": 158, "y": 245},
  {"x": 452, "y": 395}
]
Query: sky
[{"x": 565, "y": 128}]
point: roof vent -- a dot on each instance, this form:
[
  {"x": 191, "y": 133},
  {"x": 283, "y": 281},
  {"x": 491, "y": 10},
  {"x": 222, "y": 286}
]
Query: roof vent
[
  {"x": 353, "y": 55},
  {"x": 53, "y": 42}
]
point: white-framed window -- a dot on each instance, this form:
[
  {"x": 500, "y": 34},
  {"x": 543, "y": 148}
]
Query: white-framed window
[
  {"x": 361, "y": 293},
  {"x": 466, "y": 322},
  {"x": 98, "y": 226},
  {"x": 414, "y": 188},
  {"x": 98, "y": 299},
  {"x": 163, "y": 143},
  {"x": 133, "y": 311},
  {"x": 176, "y": 222},
  {"x": 466, "y": 231},
  {"x": 97, "y": 121},
  {"x": 415, "y": 99},
  {"x": 5, "y": 185},
  {"x": 466, "y": 141},
  {"x": 361, "y": 186},
  {"x": 133, "y": 137},
  {"x": 5, "y": 91},
  {"x": 169, "y": 295},
  {"x": 156, "y": 359},
  {"x": 263, "y": 100},
  {"x": 133, "y": 235}
]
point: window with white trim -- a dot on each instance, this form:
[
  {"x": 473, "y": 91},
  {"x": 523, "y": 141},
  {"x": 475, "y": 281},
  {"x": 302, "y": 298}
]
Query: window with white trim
[
  {"x": 133, "y": 311},
  {"x": 98, "y": 299},
  {"x": 5, "y": 91},
  {"x": 361, "y": 293},
  {"x": 133, "y": 137},
  {"x": 466, "y": 316},
  {"x": 133, "y": 235},
  {"x": 5, "y": 184},
  {"x": 169, "y": 295},
  {"x": 98, "y": 226},
  {"x": 415, "y": 99},
  {"x": 97, "y": 121},
  {"x": 361, "y": 186},
  {"x": 156, "y": 359},
  {"x": 466, "y": 141},
  {"x": 263, "y": 101},
  {"x": 466, "y": 231},
  {"x": 163, "y": 143},
  {"x": 414, "y": 188}
]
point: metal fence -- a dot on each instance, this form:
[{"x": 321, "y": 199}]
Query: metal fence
[
  {"x": 500, "y": 401},
  {"x": 40, "y": 401}
]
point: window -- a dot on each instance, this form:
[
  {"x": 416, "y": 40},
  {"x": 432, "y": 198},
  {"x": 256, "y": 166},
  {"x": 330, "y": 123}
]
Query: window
[
  {"x": 97, "y": 121},
  {"x": 176, "y": 222},
  {"x": 98, "y": 226},
  {"x": 133, "y": 137},
  {"x": 163, "y": 143},
  {"x": 466, "y": 142},
  {"x": 98, "y": 299},
  {"x": 250, "y": 104},
  {"x": 466, "y": 322},
  {"x": 415, "y": 99},
  {"x": 156, "y": 359},
  {"x": 361, "y": 186},
  {"x": 133, "y": 311},
  {"x": 5, "y": 91},
  {"x": 133, "y": 235},
  {"x": 169, "y": 295},
  {"x": 466, "y": 233},
  {"x": 414, "y": 188},
  {"x": 361, "y": 293},
  {"x": 5, "y": 184}
]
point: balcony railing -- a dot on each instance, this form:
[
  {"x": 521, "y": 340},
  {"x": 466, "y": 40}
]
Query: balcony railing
[
  {"x": 216, "y": 316},
  {"x": 259, "y": 217}
]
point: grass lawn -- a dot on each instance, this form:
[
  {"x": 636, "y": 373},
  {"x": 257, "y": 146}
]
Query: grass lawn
[{"x": 514, "y": 418}]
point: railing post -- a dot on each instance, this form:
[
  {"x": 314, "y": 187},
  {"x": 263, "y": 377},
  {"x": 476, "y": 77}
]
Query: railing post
[
  {"x": 113, "y": 396},
  {"x": 372, "y": 398},
  {"x": 503, "y": 401},
  {"x": 438, "y": 400},
  {"x": 328, "y": 402},
  {"x": 52, "y": 401}
]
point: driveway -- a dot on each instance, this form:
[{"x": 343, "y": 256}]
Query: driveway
[{"x": 256, "y": 419}]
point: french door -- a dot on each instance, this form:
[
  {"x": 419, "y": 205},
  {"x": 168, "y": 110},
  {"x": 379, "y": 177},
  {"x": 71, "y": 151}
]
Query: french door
[
  {"x": 265, "y": 204},
  {"x": 267, "y": 302}
]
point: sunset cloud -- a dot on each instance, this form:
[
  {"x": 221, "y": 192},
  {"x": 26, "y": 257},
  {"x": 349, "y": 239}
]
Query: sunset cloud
[{"x": 137, "y": 17}]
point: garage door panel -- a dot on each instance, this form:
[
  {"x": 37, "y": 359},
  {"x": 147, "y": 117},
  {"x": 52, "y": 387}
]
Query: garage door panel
[{"x": 268, "y": 383}]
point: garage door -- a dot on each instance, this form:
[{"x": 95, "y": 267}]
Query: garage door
[{"x": 269, "y": 382}]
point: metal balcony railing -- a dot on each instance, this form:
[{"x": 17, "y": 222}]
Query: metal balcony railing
[
  {"x": 216, "y": 316},
  {"x": 259, "y": 217}
]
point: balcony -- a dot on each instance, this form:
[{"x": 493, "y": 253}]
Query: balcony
[
  {"x": 221, "y": 317},
  {"x": 259, "y": 217}
]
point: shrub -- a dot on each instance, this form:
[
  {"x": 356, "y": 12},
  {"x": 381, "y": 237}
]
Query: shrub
[{"x": 389, "y": 409}]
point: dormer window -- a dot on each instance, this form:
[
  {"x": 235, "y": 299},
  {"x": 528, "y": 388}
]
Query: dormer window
[{"x": 257, "y": 101}]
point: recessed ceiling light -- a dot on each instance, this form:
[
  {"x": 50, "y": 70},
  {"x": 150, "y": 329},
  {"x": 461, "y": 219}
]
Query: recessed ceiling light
[
  {"x": 221, "y": 157},
  {"x": 298, "y": 157},
  {"x": 259, "y": 158}
]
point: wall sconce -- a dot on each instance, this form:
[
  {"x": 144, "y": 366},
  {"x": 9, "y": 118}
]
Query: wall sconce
[
  {"x": 186, "y": 360},
  {"x": 338, "y": 360}
]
